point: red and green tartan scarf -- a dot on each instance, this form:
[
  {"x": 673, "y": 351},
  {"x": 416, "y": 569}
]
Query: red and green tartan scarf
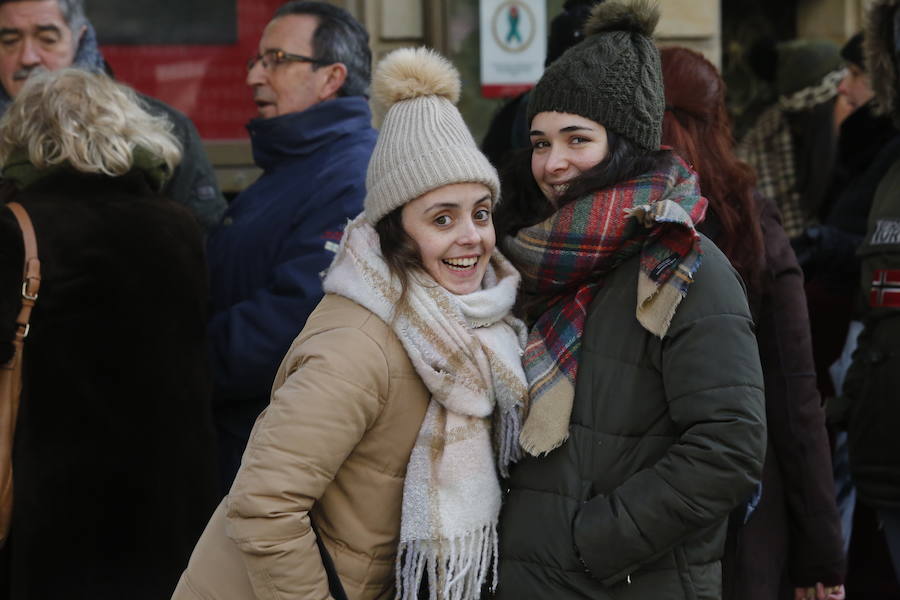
[{"x": 564, "y": 261}]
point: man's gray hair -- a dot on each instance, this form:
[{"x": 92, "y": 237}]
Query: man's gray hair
[
  {"x": 72, "y": 12},
  {"x": 339, "y": 38}
]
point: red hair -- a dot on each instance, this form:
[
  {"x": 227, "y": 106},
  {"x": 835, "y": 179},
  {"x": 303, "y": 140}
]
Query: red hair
[{"x": 696, "y": 125}]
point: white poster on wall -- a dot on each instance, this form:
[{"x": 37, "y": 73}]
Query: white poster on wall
[{"x": 513, "y": 45}]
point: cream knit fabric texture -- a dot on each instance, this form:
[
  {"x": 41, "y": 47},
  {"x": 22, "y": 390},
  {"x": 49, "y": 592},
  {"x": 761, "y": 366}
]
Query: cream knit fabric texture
[{"x": 423, "y": 143}]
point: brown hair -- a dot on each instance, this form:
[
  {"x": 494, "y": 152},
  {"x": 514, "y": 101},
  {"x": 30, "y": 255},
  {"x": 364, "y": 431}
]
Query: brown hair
[
  {"x": 696, "y": 125},
  {"x": 400, "y": 252}
]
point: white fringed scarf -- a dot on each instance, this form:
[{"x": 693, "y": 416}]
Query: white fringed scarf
[{"x": 467, "y": 350}]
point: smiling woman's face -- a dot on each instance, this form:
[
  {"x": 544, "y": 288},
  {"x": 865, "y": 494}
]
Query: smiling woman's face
[
  {"x": 563, "y": 146},
  {"x": 453, "y": 229}
]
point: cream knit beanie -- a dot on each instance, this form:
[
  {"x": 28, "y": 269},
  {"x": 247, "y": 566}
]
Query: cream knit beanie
[{"x": 423, "y": 143}]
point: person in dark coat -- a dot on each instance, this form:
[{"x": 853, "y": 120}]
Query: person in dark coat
[
  {"x": 646, "y": 426},
  {"x": 792, "y": 144},
  {"x": 114, "y": 461},
  {"x": 313, "y": 139},
  {"x": 870, "y": 411},
  {"x": 792, "y": 541},
  {"x": 56, "y": 34},
  {"x": 868, "y": 145}
]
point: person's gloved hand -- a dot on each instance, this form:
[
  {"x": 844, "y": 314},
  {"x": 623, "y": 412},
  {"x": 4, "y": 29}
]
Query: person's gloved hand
[
  {"x": 828, "y": 249},
  {"x": 809, "y": 244}
]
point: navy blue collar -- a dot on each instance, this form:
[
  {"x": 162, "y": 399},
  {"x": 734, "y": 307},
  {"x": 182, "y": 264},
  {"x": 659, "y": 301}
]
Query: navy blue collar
[{"x": 302, "y": 133}]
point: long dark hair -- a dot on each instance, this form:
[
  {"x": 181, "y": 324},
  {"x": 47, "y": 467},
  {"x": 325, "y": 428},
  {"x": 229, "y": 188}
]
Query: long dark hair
[
  {"x": 524, "y": 204},
  {"x": 400, "y": 252},
  {"x": 696, "y": 125}
]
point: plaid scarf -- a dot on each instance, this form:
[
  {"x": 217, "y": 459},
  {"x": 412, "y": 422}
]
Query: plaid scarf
[{"x": 564, "y": 261}]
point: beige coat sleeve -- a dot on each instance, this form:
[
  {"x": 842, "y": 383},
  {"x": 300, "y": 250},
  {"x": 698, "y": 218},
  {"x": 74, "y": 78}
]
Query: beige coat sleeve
[{"x": 334, "y": 388}]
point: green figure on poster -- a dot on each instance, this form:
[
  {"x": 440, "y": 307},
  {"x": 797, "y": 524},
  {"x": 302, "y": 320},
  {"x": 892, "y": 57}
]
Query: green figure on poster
[{"x": 513, "y": 17}]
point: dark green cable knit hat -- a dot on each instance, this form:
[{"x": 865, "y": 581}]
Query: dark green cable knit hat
[{"x": 613, "y": 77}]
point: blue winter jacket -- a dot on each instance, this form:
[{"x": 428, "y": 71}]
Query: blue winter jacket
[{"x": 276, "y": 239}]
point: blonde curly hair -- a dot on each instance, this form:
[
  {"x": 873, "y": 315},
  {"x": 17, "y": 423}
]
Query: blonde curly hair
[{"x": 86, "y": 120}]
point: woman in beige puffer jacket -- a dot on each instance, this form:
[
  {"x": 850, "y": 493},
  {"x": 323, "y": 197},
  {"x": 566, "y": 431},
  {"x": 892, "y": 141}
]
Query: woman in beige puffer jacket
[{"x": 399, "y": 404}]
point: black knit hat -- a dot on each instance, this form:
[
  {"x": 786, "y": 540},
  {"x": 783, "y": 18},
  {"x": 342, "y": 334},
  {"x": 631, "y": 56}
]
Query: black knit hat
[
  {"x": 567, "y": 28},
  {"x": 852, "y": 51},
  {"x": 613, "y": 77},
  {"x": 804, "y": 63}
]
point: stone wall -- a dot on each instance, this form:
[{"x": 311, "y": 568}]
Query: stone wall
[
  {"x": 836, "y": 20},
  {"x": 692, "y": 23}
]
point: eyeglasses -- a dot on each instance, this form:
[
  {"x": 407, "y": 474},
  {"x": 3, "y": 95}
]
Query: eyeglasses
[{"x": 275, "y": 57}]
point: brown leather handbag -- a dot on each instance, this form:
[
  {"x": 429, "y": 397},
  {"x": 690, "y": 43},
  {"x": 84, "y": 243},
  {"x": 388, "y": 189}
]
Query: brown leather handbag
[{"x": 11, "y": 372}]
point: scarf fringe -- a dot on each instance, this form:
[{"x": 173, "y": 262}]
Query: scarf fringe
[
  {"x": 509, "y": 426},
  {"x": 535, "y": 448},
  {"x": 456, "y": 568}
]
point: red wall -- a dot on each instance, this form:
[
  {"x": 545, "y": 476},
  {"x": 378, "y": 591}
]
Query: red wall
[{"x": 205, "y": 82}]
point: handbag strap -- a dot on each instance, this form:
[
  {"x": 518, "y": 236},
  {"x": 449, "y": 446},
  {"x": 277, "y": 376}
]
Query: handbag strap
[
  {"x": 31, "y": 274},
  {"x": 11, "y": 376}
]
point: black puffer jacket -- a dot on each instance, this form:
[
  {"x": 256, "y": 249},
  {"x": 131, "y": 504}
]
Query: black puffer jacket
[
  {"x": 870, "y": 389},
  {"x": 872, "y": 414},
  {"x": 667, "y": 436}
]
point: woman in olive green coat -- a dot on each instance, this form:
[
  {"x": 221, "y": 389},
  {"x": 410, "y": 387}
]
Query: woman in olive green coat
[{"x": 646, "y": 426}]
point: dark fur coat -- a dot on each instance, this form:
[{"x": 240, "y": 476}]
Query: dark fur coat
[{"x": 113, "y": 460}]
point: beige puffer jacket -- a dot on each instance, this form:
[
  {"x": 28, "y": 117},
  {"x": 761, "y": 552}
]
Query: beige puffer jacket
[{"x": 334, "y": 443}]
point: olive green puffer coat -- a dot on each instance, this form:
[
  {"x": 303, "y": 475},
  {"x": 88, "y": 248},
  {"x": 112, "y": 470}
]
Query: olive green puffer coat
[{"x": 667, "y": 436}]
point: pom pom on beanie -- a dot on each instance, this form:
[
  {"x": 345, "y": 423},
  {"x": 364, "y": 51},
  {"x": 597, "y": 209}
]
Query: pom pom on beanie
[
  {"x": 410, "y": 73},
  {"x": 638, "y": 17}
]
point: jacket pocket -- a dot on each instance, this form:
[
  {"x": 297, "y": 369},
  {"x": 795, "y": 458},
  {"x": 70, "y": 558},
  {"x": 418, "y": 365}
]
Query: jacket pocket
[{"x": 536, "y": 527}]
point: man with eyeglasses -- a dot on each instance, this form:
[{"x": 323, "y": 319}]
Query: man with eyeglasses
[
  {"x": 55, "y": 34},
  {"x": 313, "y": 138}
]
